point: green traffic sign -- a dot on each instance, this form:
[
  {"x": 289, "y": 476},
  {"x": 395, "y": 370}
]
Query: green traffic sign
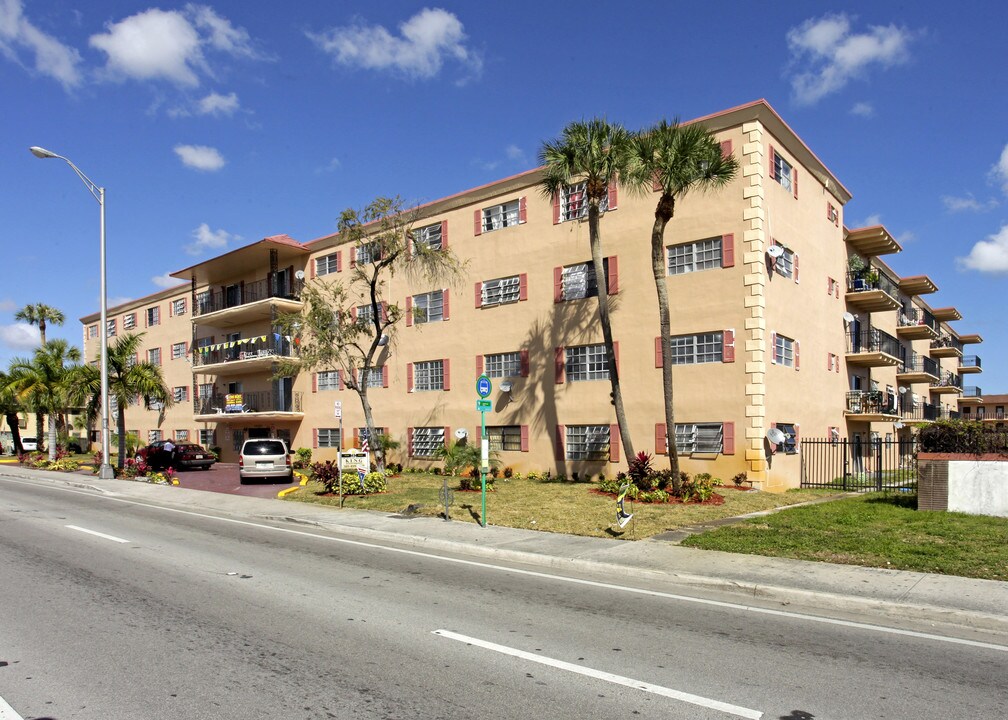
[{"x": 484, "y": 405}]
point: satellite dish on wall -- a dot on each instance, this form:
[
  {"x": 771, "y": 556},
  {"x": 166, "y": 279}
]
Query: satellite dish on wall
[
  {"x": 775, "y": 251},
  {"x": 461, "y": 434},
  {"x": 848, "y": 317},
  {"x": 902, "y": 391},
  {"x": 775, "y": 436},
  {"x": 506, "y": 386},
  {"x": 299, "y": 274}
]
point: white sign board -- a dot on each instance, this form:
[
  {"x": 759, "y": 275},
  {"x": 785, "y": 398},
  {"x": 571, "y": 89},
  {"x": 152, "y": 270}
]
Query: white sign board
[
  {"x": 338, "y": 408},
  {"x": 351, "y": 460}
]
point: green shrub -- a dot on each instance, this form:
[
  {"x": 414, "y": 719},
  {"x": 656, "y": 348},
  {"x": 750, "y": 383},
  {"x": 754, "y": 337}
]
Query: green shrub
[
  {"x": 700, "y": 488},
  {"x": 65, "y": 465},
  {"x": 302, "y": 458},
  {"x": 374, "y": 482},
  {"x": 508, "y": 471},
  {"x": 640, "y": 471},
  {"x": 327, "y": 473},
  {"x": 962, "y": 436},
  {"x": 740, "y": 478}
]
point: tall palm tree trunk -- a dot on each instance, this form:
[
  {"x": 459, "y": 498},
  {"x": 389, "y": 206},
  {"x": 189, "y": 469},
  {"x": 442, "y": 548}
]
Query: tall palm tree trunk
[
  {"x": 603, "y": 299},
  {"x": 121, "y": 429},
  {"x": 12, "y": 423},
  {"x": 52, "y": 437},
  {"x": 664, "y": 212},
  {"x": 39, "y": 428}
]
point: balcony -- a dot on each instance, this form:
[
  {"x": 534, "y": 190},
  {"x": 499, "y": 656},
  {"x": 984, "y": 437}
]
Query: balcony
[
  {"x": 245, "y": 356},
  {"x": 970, "y": 364},
  {"x": 917, "y": 285},
  {"x": 874, "y": 240},
  {"x": 990, "y": 414},
  {"x": 972, "y": 395},
  {"x": 918, "y": 324},
  {"x": 949, "y": 383},
  {"x": 248, "y": 302},
  {"x": 916, "y": 411},
  {"x": 946, "y": 346},
  {"x": 918, "y": 369},
  {"x": 245, "y": 408},
  {"x": 871, "y": 406},
  {"x": 873, "y": 348},
  {"x": 872, "y": 291}
]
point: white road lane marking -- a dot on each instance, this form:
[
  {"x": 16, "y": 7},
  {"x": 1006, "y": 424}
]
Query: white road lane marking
[
  {"x": 607, "y": 677},
  {"x": 7, "y": 712},
  {"x": 561, "y": 578},
  {"x": 113, "y": 538}
]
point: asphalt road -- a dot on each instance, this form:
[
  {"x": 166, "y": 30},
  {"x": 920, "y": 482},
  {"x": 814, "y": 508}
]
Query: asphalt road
[{"x": 173, "y": 614}]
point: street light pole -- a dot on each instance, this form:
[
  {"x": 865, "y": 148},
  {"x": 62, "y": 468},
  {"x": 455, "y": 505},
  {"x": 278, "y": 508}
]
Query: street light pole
[{"x": 98, "y": 193}]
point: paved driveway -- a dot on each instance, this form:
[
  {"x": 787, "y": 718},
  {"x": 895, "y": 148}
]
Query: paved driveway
[{"x": 223, "y": 478}]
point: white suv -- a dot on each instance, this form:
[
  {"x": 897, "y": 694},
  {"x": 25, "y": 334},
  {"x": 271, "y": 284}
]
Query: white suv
[
  {"x": 265, "y": 458},
  {"x": 29, "y": 444}
]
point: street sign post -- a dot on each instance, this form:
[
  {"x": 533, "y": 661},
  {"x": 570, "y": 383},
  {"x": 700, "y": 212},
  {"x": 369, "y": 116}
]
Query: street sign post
[
  {"x": 338, "y": 413},
  {"x": 483, "y": 388}
]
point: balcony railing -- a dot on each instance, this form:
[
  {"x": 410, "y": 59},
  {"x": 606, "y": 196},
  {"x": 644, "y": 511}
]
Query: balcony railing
[
  {"x": 251, "y": 402},
  {"x": 873, "y": 340},
  {"x": 278, "y": 287},
  {"x": 920, "y": 364},
  {"x": 946, "y": 341},
  {"x": 873, "y": 280},
  {"x": 918, "y": 316},
  {"x": 948, "y": 379},
  {"x": 910, "y": 410},
  {"x": 972, "y": 391},
  {"x": 871, "y": 402},
  {"x": 279, "y": 349},
  {"x": 970, "y": 361},
  {"x": 988, "y": 414}
]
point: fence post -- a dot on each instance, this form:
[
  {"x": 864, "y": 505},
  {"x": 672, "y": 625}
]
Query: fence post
[
  {"x": 878, "y": 464},
  {"x": 846, "y": 463}
]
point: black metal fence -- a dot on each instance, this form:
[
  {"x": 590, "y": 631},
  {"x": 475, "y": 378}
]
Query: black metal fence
[{"x": 859, "y": 463}]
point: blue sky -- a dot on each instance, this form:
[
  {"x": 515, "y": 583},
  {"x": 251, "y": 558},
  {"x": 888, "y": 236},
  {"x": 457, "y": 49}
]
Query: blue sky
[{"x": 214, "y": 125}]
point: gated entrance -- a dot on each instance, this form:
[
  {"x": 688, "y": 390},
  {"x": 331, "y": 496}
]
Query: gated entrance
[{"x": 859, "y": 464}]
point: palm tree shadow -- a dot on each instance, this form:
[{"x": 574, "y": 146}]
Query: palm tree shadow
[
  {"x": 798, "y": 715},
  {"x": 472, "y": 512}
]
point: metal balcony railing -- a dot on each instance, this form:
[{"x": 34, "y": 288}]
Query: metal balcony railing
[
  {"x": 970, "y": 361},
  {"x": 873, "y": 340},
  {"x": 972, "y": 391},
  {"x": 278, "y": 349},
  {"x": 948, "y": 379},
  {"x": 251, "y": 402},
  {"x": 947, "y": 340},
  {"x": 918, "y": 316},
  {"x": 921, "y": 363},
  {"x": 910, "y": 410},
  {"x": 872, "y": 279},
  {"x": 871, "y": 402},
  {"x": 279, "y": 286}
]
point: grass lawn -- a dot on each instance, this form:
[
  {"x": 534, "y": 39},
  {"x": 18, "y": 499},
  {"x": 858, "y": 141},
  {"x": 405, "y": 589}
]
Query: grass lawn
[
  {"x": 874, "y": 530},
  {"x": 567, "y": 507}
]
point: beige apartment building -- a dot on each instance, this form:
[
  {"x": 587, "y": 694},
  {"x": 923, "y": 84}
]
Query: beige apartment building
[{"x": 774, "y": 325}]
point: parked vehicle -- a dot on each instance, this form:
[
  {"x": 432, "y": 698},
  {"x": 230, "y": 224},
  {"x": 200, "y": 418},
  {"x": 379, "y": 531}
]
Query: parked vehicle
[
  {"x": 29, "y": 444},
  {"x": 183, "y": 456},
  {"x": 74, "y": 447},
  {"x": 265, "y": 458}
]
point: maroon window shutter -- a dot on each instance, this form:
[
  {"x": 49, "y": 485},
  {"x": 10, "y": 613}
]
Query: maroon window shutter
[
  {"x": 660, "y": 439},
  {"x": 479, "y": 294},
  {"x": 561, "y": 445},
  {"x": 829, "y": 211},
  {"x": 409, "y": 377},
  {"x": 773, "y": 348},
  {"x": 409, "y": 311},
  {"x": 384, "y": 376},
  {"x": 409, "y": 441},
  {"x": 523, "y": 287},
  {"x": 795, "y": 267},
  {"x": 726, "y": 148},
  {"x": 614, "y": 443},
  {"x": 311, "y": 267},
  {"x": 522, "y": 210},
  {"x": 728, "y": 250},
  {"x": 797, "y": 355},
  {"x": 612, "y": 195},
  {"x": 339, "y": 379},
  {"x": 477, "y": 222},
  {"x": 524, "y": 438},
  {"x": 523, "y": 359},
  {"x": 771, "y": 156},
  {"x": 339, "y": 261},
  {"x": 314, "y": 382},
  {"x": 557, "y": 284},
  {"x": 479, "y": 365},
  {"x": 794, "y": 181},
  {"x": 444, "y": 234},
  {"x": 352, "y": 252},
  {"x": 797, "y": 434},
  {"x": 728, "y": 346},
  {"x": 314, "y": 437},
  {"x": 171, "y": 309},
  {"x": 558, "y": 364},
  {"x": 612, "y": 277},
  {"x": 356, "y": 438},
  {"x": 728, "y": 438},
  {"x": 657, "y": 352},
  {"x": 444, "y": 304},
  {"x": 447, "y": 374},
  {"x": 556, "y": 208},
  {"x": 384, "y": 311},
  {"x": 829, "y": 361}
]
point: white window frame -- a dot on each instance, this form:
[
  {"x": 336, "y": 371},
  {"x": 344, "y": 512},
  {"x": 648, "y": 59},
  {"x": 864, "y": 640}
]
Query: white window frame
[
  {"x": 376, "y": 378},
  {"x": 429, "y": 236},
  {"x": 327, "y": 380},
  {"x": 432, "y": 306},
  {"x": 365, "y": 315},
  {"x": 426, "y": 441},
  {"x": 153, "y": 353},
  {"x": 574, "y": 202},
  {"x": 205, "y": 390},
  {"x": 578, "y": 281},
  {"x": 705, "y": 254},
  {"x": 178, "y": 350},
  {"x": 587, "y": 442},
  {"x": 697, "y": 349},
  {"x": 207, "y": 438},
  {"x": 92, "y": 331},
  {"x": 178, "y": 306},
  {"x": 502, "y": 365},
  {"x": 783, "y": 171},
  {"x": 180, "y": 393},
  {"x": 701, "y": 438},
  {"x": 110, "y": 327},
  {"x": 182, "y": 436},
  {"x": 329, "y": 438},
  {"x": 154, "y": 436},
  {"x": 790, "y": 444},
  {"x": 784, "y": 265},
  {"x": 129, "y": 321},
  {"x": 153, "y": 315},
  {"x": 500, "y": 291},
  {"x": 504, "y": 438},
  {"x": 428, "y": 375},
  {"x": 586, "y": 362},
  {"x": 327, "y": 264},
  {"x": 784, "y": 350},
  {"x": 498, "y": 217},
  {"x": 368, "y": 252}
]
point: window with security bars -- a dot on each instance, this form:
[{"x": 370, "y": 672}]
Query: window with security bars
[
  {"x": 504, "y": 437},
  {"x": 181, "y": 436},
  {"x": 328, "y": 380},
  {"x": 502, "y": 365},
  {"x": 500, "y": 291},
  {"x": 178, "y": 306},
  {"x": 579, "y": 281},
  {"x": 207, "y": 438},
  {"x": 204, "y": 302},
  {"x": 784, "y": 265},
  {"x": 790, "y": 444},
  {"x": 368, "y": 253},
  {"x": 327, "y": 265},
  {"x": 699, "y": 437},
  {"x": 428, "y": 307},
  {"x": 153, "y": 316},
  {"x": 180, "y": 393},
  {"x": 374, "y": 379},
  {"x": 784, "y": 351},
  {"x": 574, "y": 202},
  {"x": 697, "y": 349},
  {"x": 429, "y": 236},
  {"x": 698, "y": 255},
  {"x": 178, "y": 350},
  {"x": 428, "y": 375},
  {"x": 586, "y": 362},
  {"x": 110, "y": 327},
  {"x": 496, "y": 217},
  {"x": 154, "y": 356},
  {"x": 426, "y": 441},
  {"x": 328, "y": 437},
  {"x": 154, "y": 436},
  {"x": 588, "y": 442},
  {"x": 129, "y": 321},
  {"x": 782, "y": 171}
]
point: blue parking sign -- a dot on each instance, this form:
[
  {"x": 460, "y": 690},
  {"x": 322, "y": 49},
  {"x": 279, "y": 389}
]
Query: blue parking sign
[{"x": 483, "y": 386}]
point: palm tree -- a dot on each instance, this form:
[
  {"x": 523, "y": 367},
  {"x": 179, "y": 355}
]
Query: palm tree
[
  {"x": 674, "y": 159},
  {"x": 39, "y": 314},
  {"x": 9, "y": 408},
  {"x": 128, "y": 379},
  {"x": 44, "y": 382},
  {"x": 595, "y": 153}
]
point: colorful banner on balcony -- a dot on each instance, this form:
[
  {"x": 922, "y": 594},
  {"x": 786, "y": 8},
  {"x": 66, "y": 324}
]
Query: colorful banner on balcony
[{"x": 242, "y": 341}]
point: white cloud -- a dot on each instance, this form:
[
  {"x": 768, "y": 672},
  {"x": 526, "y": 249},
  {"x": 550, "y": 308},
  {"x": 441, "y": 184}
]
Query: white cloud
[
  {"x": 830, "y": 55},
  {"x": 115, "y": 300},
  {"x": 990, "y": 255},
  {"x": 967, "y": 203},
  {"x": 214, "y": 104},
  {"x": 331, "y": 166},
  {"x": 207, "y": 239},
  {"x": 1000, "y": 170},
  {"x": 200, "y": 157},
  {"x": 165, "y": 281},
  {"x": 863, "y": 109},
  {"x": 52, "y": 57},
  {"x": 425, "y": 42},
  {"x": 7, "y": 305},
  {"x": 872, "y": 220},
  {"x": 169, "y": 45},
  {"x": 19, "y": 336}
]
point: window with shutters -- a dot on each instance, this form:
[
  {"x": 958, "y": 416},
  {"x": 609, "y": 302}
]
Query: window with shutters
[
  {"x": 428, "y": 307},
  {"x": 327, "y": 265},
  {"x": 699, "y": 437},
  {"x": 129, "y": 321},
  {"x": 784, "y": 351},
  {"x": 587, "y": 442},
  {"x": 180, "y": 393},
  {"x": 154, "y": 356},
  {"x": 329, "y": 437},
  {"x": 181, "y": 436},
  {"x": 327, "y": 380},
  {"x": 501, "y": 291},
  {"x": 501, "y": 216},
  {"x": 784, "y": 265},
  {"x": 110, "y": 326},
  {"x": 153, "y": 316},
  {"x": 429, "y": 237},
  {"x": 368, "y": 253},
  {"x": 782, "y": 171},
  {"x": 586, "y": 362},
  {"x": 154, "y": 436},
  {"x": 504, "y": 437},
  {"x": 790, "y": 444},
  {"x": 426, "y": 440},
  {"x": 502, "y": 365},
  {"x": 375, "y": 377},
  {"x": 574, "y": 202},
  {"x": 428, "y": 375},
  {"x": 379, "y": 431},
  {"x": 178, "y": 350},
  {"x": 697, "y": 349},
  {"x": 178, "y": 306},
  {"x": 693, "y": 256},
  {"x": 579, "y": 281}
]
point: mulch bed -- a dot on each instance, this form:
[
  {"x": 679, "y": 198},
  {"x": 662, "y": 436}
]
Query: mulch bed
[{"x": 714, "y": 499}]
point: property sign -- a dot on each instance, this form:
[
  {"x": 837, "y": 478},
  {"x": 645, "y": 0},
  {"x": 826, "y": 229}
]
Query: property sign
[{"x": 353, "y": 461}]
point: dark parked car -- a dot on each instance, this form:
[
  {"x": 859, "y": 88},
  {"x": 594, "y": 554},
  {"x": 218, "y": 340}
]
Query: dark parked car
[
  {"x": 183, "y": 456},
  {"x": 73, "y": 446}
]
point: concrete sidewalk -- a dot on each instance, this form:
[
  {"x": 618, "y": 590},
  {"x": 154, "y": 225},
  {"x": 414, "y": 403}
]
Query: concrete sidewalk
[{"x": 865, "y": 593}]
